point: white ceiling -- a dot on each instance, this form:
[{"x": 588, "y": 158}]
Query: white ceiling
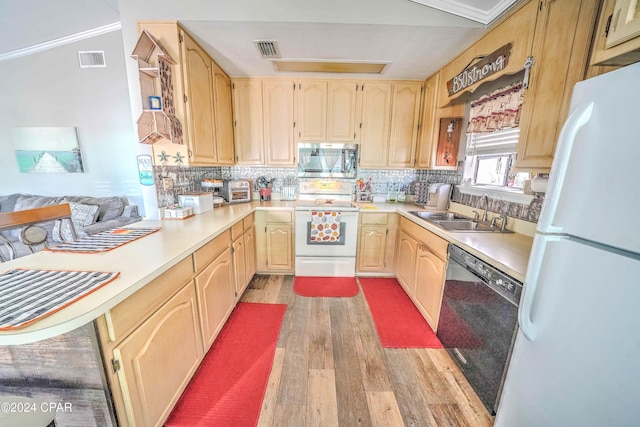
[{"x": 416, "y": 39}]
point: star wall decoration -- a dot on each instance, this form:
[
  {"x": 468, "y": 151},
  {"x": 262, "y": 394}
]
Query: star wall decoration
[
  {"x": 164, "y": 157},
  {"x": 179, "y": 158}
]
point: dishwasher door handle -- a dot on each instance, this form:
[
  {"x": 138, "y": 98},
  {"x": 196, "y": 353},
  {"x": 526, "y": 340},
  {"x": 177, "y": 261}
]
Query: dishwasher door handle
[{"x": 459, "y": 356}]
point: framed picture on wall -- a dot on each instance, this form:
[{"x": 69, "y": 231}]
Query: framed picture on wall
[{"x": 47, "y": 150}]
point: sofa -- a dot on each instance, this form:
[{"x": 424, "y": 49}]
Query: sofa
[{"x": 90, "y": 215}]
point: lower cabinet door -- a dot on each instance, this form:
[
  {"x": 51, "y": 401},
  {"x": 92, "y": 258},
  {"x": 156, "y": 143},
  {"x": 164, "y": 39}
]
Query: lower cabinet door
[
  {"x": 239, "y": 265},
  {"x": 406, "y": 261},
  {"x": 250, "y": 256},
  {"x": 372, "y": 248},
  {"x": 429, "y": 282},
  {"x": 279, "y": 246},
  {"x": 215, "y": 286},
  {"x": 158, "y": 359}
]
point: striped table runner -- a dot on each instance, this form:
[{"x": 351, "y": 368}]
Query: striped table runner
[
  {"x": 104, "y": 241},
  {"x": 30, "y": 295}
]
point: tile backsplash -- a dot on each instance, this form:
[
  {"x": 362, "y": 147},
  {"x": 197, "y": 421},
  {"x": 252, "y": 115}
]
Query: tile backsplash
[
  {"x": 188, "y": 179},
  {"x": 526, "y": 212}
]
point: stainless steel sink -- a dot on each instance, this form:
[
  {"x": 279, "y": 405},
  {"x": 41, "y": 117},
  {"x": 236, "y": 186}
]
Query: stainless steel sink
[
  {"x": 439, "y": 216},
  {"x": 455, "y": 222}
]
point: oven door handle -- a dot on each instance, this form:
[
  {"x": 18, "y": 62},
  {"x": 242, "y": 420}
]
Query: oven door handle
[{"x": 530, "y": 285}]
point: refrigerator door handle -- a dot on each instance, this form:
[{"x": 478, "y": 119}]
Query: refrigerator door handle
[
  {"x": 579, "y": 117},
  {"x": 530, "y": 286}
]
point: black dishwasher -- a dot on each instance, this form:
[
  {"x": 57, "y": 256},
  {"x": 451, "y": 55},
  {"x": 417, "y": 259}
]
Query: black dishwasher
[{"x": 478, "y": 321}]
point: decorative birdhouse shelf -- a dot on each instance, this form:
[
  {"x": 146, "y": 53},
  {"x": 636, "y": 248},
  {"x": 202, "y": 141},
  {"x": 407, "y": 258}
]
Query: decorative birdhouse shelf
[{"x": 158, "y": 120}]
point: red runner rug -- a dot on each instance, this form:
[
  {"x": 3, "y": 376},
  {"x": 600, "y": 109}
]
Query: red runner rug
[
  {"x": 398, "y": 321},
  {"x": 231, "y": 382},
  {"x": 308, "y": 286}
]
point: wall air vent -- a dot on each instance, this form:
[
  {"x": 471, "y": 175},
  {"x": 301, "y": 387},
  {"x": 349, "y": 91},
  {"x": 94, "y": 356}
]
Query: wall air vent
[
  {"x": 267, "y": 48},
  {"x": 91, "y": 59}
]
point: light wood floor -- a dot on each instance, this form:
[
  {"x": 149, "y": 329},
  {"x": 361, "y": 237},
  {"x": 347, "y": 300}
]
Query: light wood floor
[{"x": 330, "y": 370}]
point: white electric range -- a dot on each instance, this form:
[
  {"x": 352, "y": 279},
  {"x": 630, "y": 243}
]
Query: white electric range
[{"x": 325, "y": 206}]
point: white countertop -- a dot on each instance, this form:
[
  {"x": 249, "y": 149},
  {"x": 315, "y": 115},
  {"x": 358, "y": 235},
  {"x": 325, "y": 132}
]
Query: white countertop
[
  {"x": 142, "y": 260},
  {"x": 508, "y": 252}
]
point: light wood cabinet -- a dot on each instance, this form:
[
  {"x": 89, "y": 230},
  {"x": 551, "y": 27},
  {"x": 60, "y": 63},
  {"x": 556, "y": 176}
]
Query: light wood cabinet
[
  {"x": 311, "y": 115},
  {"x": 389, "y": 124},
  {"x": 243, "y": 250},
  {"x": 621, "y": 54},
  {"x": 376, "y": 243},
  {"x": 372, "y": 243},
  {"x": 561, "y": 46},
  {"x": 202, "y": 96},
  {"x": 420, "y": 268},
  {"x": 152, "y": 372},
  {"x": 342, "y": 110},
  {"x": 248, "y": 121},
  {"x": 199, "y": 91},
  {"x": 375, "y": 124},
  {"x": 278, "y": 104},
  {"x": 430, "y": 273},
  {"x": 215, "y": 286},
  {"x": 279, "y": 249},
  {"x": 405, "y": 118},
  {"x": 263, "y": 112},
  {"x": 428, "y": 138},
  {"x": 225, "y": 149},
  {"x": 239, "y": 267},
  {"x": 274, "y": 241},
  {"x": 184, "y": 308},
  {"x": 250, "y": 255},
  {"x": 557, "y": 35},
  {"x": 406, "y": 252}
]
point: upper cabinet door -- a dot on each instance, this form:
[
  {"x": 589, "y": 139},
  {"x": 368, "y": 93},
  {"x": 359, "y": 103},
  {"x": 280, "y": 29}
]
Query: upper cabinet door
[
  {"x": 247, "y": 113},
  {"x": 427, "y": 138},
  {"x": 376, "y": 124},
  {"x": 278, "y": 109},
  {"x": 561, "y": 46},
  {"x": 405, "y": 118},
  {"x": 312, "y": 110},
  {"x": 342, "y": 110},
  {"x": 198, "y": 83},
  {"x": 223, "y": 118}
]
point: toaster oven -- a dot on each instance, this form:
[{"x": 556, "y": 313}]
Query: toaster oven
[{"x": 236, "y": 191}]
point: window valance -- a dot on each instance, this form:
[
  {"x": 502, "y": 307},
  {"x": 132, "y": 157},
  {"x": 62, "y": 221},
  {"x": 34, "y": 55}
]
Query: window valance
[{"x": 497, "y": 110}]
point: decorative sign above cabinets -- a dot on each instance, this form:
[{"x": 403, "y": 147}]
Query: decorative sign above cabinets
[{"x": 488, "y": 65}]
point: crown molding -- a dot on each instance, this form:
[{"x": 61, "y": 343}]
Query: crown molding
[
  {"x": 465, "y": 9},
  {"x": 61, "y": 41}
]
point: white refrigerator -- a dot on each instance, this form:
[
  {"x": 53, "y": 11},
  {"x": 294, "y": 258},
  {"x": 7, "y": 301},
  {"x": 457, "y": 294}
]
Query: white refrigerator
[{"x": 576, "y": 357}]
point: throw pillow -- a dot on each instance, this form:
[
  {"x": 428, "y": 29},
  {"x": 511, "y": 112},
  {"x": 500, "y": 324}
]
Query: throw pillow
[
  {"x": 81, "y": 215},
  {"x": 110, "y": 207}
]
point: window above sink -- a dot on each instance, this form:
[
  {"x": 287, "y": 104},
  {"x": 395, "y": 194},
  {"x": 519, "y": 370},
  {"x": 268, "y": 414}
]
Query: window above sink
[{"x": 488, "y": 160}]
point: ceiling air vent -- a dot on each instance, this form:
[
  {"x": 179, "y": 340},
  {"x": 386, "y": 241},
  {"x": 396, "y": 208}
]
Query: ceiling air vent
[
  {"x": 92, "y": 59},
  {"x": 268, "y": 48}
]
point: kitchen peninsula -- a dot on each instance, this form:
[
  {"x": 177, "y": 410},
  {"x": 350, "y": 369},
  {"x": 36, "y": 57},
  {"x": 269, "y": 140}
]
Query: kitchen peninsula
[{"x": 188, "y": 253}]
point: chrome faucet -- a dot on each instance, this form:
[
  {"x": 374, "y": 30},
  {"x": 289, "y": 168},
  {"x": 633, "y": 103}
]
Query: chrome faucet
[
  {"x": 486, "y": 206},
  {"x": 503, "y": 221}
]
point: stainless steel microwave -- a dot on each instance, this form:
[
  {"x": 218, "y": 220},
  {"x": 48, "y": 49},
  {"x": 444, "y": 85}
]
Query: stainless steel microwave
[{"x": 327, "y": 160}]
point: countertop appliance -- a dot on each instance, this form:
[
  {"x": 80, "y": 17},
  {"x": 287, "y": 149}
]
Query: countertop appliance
[
  {"x": 439, "y": 195},
  {"x": 236, "y": 191},
  {"x": 478, "y": 321},
  {"x": 433, "y": 195},
  {"x": 330, "y": 258},
  {"x": 200, "y": 202},
  {"x": 575, "y": 358},
  {"x": 327, "y": 160}
]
